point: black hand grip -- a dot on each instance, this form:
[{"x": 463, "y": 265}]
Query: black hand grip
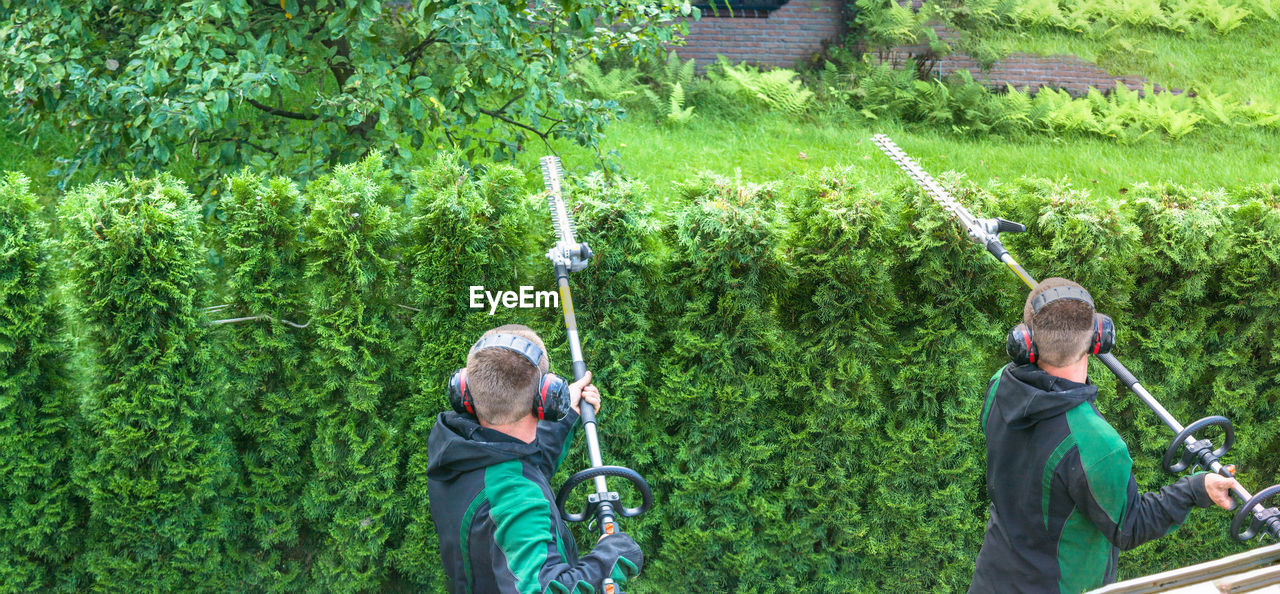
[
  {"x": 1268, "y": 518},
  {"x": 1198, "y": 452},
  {"x": 619, "y": 471},
  {"x": 1003, "y": 226}
]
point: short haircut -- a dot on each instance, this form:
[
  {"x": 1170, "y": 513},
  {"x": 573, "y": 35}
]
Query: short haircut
[
  {"x": 1063, "y": 329},
  {"x": 501, "y": 381}
]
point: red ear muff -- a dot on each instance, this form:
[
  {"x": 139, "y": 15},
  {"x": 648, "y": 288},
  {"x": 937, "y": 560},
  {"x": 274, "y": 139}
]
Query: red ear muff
[
  {"x": 1104, "y": 334},
  {"x": 551, "y": 401},
  {"x": 540, "y": 403},
  {"x": 1019, "y": 345},
  {"x": 459, "y": 395}
]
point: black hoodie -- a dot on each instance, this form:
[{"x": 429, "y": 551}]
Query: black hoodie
[
  {"x": 1063, "y": 498},
  {"x": 496, "y": 517}
]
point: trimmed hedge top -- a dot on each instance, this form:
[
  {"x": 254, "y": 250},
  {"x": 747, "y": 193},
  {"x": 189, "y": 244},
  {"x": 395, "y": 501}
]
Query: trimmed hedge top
[{"x": 797, "y": 369}]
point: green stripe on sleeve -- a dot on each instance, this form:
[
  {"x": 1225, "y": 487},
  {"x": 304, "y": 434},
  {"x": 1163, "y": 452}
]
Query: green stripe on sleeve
[
  {"x": 568, "y": 441},
  {"x": 522, "y": 522},
  {"x": 623, "y": 570},
  {"x": 1046, "y": 478},
  {"x": 1105, "y": 459},
  {"x": 991, "y": 397},
  {"x": 1083, "y": 554},
  {"x": 466, "y": 536}
]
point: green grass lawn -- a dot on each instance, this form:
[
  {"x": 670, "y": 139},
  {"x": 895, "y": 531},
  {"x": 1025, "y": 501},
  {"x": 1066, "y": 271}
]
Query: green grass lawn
[
  {"x": 1244, "y": 62},
  {"x": 772, "y": 146}
]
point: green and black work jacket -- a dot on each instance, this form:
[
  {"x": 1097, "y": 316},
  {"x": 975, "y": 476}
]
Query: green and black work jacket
[
  {"x": 1063, "y": 498},
  {"x": 495, "y": 513}
]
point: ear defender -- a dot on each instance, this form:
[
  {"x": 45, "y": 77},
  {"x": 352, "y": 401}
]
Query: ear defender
[
  {"x": 552, "y": 401},
  {"x": 459, "y": 397},
  {"x": 1104, "y": 334},
  {"x": 550, "y": 397},
  {"x": 1021, "y": 347}
]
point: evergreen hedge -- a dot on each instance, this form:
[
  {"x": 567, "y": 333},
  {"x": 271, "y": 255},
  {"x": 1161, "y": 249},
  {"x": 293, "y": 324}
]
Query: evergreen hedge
[
  {"x": 797, "y": 368},
  {"x": 158, "y": 467},
  {"x": 40, "y": 522}
]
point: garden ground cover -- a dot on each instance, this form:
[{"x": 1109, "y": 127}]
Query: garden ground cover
[
  {"x": 774, "y": 146},
  {"x": 1242, "y": 62}
]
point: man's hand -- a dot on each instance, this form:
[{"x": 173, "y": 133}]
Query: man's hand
[
  {"x": 1219, "y": 488},
  {"x": 583, "y": 389}
]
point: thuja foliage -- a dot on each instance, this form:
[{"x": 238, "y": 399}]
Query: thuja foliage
[
  {"x": 265, "y": 355},
  {"x": 351, "y": 499},
  {"x": 722, "y": 361},
  {"x": 796, "y": 368},
  {"x": 158, "y": 471},
  {"x": 39, "y": 509}
]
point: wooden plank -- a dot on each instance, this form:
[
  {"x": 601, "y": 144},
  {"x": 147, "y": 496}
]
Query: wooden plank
[
  {"x": 1250, "y": 581},
  {"x": 1200, "y": 578}
]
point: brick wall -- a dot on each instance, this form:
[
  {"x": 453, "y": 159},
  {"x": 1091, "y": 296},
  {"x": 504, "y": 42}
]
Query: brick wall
[
  {"x": 799, "y": 29},
  {"x": 1032, "y": 71},
  {"x": 785, "y": 37}
]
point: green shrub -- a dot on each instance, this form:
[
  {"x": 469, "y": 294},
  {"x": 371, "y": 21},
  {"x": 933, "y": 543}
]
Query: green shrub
[
  {"x": 797, "y": 369},
  {"x": 158, "y": 467},
  {"x": 723, "y": 358},
  {"x": 351, "y": 499},
  {"x": 267, "y": 384},
  {"x": 40, "y": 513}
]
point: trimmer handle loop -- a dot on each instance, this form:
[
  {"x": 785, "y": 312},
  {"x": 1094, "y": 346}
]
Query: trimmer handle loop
[
  {"x": 596, "y": 499},
  {"x": 1198, "y": 452},
  {"x": 1268, "y": 518}
]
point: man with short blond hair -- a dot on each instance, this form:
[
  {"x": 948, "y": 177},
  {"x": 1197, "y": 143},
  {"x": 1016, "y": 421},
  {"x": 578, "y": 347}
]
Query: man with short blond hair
[
  {"x": 489, "y": 472},
  {"x": 1063, "y": 498}
]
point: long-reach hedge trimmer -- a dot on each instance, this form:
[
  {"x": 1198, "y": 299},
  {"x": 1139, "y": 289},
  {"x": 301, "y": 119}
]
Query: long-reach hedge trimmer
[
  {"x": 568, "y": 255},
  {"x": 1252, "y": 518}
]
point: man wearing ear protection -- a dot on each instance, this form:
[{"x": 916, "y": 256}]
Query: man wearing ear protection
[
  {"x": 491, "y": 460},
  {"x": 1063, "y": 498}
]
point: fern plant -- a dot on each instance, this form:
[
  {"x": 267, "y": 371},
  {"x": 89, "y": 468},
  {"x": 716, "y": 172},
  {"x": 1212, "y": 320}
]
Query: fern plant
[
  {"x": 1171, "y": 113},
  {"x": 779, "y": 89},
  {"x": 669, "y": 82},
  {"x": 619, "y": 84},
  {"x": 887, "y": 23},
  {"x": 677, "y": 113}
]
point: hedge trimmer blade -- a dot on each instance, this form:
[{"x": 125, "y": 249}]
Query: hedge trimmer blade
[
  {"x": 931, "y": 187},
  {"x": 552, "y": 176},
  {"x": 984, "y": 232},
  {"x": 567, "y": 251}
]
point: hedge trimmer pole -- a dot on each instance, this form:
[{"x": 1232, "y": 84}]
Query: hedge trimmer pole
[
  {"x": 1185, "y": 450},
  {"x": 588, "y": 412},
  {"x": 568, "y": 255}
]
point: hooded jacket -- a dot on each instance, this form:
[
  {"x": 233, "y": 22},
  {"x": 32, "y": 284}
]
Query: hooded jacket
[
  {"x": 496, "y": 518},
  {"x": 1063, "y": 498}
]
